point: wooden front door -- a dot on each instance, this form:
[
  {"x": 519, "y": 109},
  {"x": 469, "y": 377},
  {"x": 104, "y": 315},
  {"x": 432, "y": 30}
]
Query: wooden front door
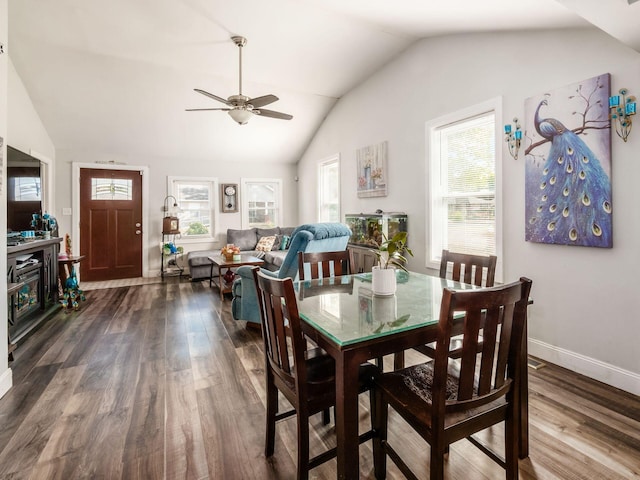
[{"x": 110, "y": 224}]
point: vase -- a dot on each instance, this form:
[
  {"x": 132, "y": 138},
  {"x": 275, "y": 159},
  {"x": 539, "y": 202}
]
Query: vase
[
  {"x": 384, "y": 309},
  {"x": 228, "y": 257},
  {"x": 229, "y": 276},
  {"x": 383, "y": 281}
]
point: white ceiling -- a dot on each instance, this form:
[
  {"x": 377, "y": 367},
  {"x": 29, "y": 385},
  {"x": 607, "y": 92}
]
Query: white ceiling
[{"x": 115, "y": 77}]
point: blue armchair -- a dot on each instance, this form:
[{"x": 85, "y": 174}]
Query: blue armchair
[{"x": 315, "y": 237}]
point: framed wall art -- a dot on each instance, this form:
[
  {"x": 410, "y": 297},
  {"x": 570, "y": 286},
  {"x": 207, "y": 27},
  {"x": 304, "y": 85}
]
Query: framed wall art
[
  {"x": 568, "y": 165},
  {"x": 372, "y": 170}
]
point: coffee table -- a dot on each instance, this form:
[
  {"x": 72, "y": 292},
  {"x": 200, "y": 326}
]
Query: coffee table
[{"x": 221, "y": 262}]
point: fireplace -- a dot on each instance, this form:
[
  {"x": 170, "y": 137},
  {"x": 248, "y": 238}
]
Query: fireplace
[{"x": 27, "y": 299}]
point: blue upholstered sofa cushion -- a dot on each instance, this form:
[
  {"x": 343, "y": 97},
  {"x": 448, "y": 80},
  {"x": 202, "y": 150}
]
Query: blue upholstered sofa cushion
[{"x": 324, "y": 230}]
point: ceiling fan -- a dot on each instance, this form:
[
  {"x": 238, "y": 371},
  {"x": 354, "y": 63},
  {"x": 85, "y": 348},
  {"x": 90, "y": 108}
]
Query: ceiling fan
[{"x": 241, "y": 107}]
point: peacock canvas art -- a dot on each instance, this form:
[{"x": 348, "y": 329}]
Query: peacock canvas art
[{"x": 568, "y": 165}]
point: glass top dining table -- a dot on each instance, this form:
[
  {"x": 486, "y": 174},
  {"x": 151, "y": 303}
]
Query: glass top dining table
[
  {"x": 346, "y": 310},
  {"x": 344, "y": 317}
]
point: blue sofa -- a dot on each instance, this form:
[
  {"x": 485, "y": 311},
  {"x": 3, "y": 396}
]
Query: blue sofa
[{"x": 315, "y": 237}]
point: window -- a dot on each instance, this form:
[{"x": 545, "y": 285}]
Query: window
[
  {"x": 196, "y": 208},
  {"x": 462, "y": 170},
  {"x": 111, "y": 189},
  {"x": 25, "y": 189},
  {"x": 329, "y": 190},
  {"x": 261, "y": 202}
]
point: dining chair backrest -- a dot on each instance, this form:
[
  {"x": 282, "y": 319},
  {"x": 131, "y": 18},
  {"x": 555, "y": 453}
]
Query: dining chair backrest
[
  {"x": 284, "y": 343},
  {"x": 445, "y": 404},
  {"x": 312, "y": 265},
  {"x": 479, "y": 270},
  {"x": 306, "y": 377},
  {"x": 487, "y": 374},
  {"x": 323, "y": 286}
]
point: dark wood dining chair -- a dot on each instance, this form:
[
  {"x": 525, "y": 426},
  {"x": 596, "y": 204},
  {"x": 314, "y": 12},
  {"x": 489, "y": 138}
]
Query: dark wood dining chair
[
  {"x": 479, "y": 270},
  {"x": 444, "y": 405},
  {"x": 324, "y": 264},
  {"x": 306, "y": 381}
]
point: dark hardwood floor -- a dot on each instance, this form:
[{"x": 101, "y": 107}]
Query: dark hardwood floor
[{"x": 157, "y": 381}]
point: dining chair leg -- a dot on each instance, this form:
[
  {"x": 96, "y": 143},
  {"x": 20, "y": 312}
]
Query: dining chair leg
[
  {"x": 326, "y": 417},
  {"x": 380, "y": 363},
  {"x": 398, "y": 360},
  {"x": 436, "y": 466},
  {"x": 272, "y": 410},
  {"x": 303, "y": 445},
  {"x": 379, "y": 416},
  {"x": 511, "y": 447}
]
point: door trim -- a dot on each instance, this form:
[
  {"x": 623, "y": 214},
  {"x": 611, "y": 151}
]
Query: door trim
[{"x": 75, "y": 205}]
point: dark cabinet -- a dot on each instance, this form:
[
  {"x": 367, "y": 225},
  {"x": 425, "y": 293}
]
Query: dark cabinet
[
  {"x": 34, "y": 267},
  {"x": 363, "y": 259}
]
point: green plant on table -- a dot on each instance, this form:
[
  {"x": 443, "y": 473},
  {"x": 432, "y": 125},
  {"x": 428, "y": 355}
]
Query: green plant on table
[{"x": 391, "y": 251}]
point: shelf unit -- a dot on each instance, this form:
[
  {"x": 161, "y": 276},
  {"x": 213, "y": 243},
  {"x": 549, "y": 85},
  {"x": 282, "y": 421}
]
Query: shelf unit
[{"x": 170, "y": 265}]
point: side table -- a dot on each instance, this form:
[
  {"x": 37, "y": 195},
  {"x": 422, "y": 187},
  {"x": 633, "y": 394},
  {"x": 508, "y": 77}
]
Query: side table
[{"x": 221, "y": 262}]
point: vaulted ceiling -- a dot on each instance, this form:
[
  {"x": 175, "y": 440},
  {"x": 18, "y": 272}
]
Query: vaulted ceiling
[{"x": 116, "y": 77}]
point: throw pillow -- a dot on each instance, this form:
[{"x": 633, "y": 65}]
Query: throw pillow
[
  {"x": 277, "y": 243},
  {"x": 286, "y": 239},
  {"x": 265, "y": 243}
]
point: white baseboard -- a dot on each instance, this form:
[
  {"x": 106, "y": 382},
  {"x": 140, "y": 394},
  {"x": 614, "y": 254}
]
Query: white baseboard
[
  {"x": 6, "y": 381},
  {"x": 590, "y": 367}
]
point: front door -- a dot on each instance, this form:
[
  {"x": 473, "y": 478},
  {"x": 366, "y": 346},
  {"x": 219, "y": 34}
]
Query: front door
[{"x": 110, "y": 224}]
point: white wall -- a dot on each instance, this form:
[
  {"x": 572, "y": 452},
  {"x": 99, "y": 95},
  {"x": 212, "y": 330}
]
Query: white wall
[
  {"x": 159, "y": 169},
  {"x": 581, "y": 317},
  {"x": 5, "y": 371},
  {"x": 25, "y": 129}
]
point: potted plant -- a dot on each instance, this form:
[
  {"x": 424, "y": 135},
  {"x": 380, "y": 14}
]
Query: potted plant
[
  {"x": 390, "y": 255},
  {"x": 229, "y": 251}
]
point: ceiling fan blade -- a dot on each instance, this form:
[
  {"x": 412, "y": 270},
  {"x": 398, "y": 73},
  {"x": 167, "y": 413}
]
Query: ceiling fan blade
[
  {"x": 211, "y": 95},
  {"x": 262, "y": 101},
  {"x": 270, "y": 113},
  {"x": 205, "y": 109}
]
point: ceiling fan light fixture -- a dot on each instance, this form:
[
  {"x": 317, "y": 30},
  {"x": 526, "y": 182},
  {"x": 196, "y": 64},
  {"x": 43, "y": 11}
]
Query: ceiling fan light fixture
[
  {"x": 240, "y": 115},
  {"x": 241, "y": 107}
]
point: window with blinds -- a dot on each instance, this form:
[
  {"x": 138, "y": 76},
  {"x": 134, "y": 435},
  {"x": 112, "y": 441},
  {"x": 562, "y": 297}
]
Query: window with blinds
[{"x": 462, "y": 168}]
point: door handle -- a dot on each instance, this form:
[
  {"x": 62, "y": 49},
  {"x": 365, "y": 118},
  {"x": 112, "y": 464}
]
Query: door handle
[
  {"x": 138, "y": 232},
  {"x": 138, "y": 225}
]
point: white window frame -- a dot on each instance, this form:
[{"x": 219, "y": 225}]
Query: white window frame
[
  {"x": 330, "y": 161},
  {"x": 434, "y": 211},
  {"x": 244, "y": 185},
  {"x": 213, "y": 205}
]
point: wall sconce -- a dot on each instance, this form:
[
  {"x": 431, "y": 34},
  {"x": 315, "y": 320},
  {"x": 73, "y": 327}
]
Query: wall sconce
[
  {"x": 170, "y": 224},
  {"x": 621, "y": 112},
  {"x": 513, "y": 138}
]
